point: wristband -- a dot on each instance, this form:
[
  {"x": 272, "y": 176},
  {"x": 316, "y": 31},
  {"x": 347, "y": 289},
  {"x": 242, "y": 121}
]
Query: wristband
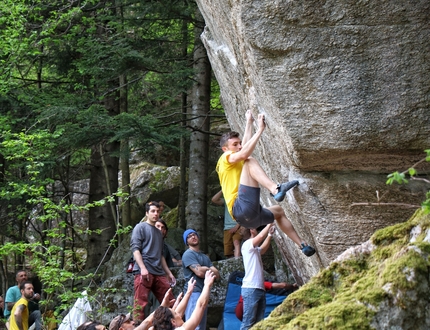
[{"x": 270, "y": 235}]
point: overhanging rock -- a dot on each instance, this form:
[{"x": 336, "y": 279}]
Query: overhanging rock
[{"x": 345, "y": 90}]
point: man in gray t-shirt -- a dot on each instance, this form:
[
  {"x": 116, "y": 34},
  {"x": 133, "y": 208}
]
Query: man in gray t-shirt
[{"x": 150, "y": 268}]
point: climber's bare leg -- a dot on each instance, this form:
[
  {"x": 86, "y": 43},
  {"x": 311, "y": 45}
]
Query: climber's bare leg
[
  {"x": 285, "y": 224},
  {"x": 253, "y": 175}
]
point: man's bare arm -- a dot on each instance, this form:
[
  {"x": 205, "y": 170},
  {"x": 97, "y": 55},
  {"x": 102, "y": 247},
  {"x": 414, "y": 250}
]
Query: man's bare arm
[
  {"x": 199, "y": 270},
  {"x": 216, "y": 272},
  {"x": 139, "y": 260},
  {"x": 18, "y": 316},
  {"x": 249, "y": 146},
  {"x": 217, "y": 198},
  {"x": 166, "y": 269}
]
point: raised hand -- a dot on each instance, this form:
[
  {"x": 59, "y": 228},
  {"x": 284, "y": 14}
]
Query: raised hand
[
  {"x": 261, "y": 121},
  {"x": 209, "y": 277},
  {"x": 249, "y": 116},
  {"x": 166, "y": 302},
  {"x": 191, "y": 284}
]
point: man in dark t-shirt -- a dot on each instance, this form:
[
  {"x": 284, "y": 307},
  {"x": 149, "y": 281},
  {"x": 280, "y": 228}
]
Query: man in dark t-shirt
[{"x": 150, "y": 269}]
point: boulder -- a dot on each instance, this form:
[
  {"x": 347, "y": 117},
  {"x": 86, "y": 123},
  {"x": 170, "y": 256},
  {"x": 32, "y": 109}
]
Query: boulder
[
  {"x": 381, "y": 284},
  {"x": 344, "y": 88}
]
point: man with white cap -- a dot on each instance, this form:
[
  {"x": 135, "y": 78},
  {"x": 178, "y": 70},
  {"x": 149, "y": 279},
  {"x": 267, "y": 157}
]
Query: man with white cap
[{"x": 195, "y": 264}]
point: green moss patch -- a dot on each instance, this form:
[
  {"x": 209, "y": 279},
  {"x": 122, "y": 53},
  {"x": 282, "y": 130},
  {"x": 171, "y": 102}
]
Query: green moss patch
[{"x": 347, "y": 295}]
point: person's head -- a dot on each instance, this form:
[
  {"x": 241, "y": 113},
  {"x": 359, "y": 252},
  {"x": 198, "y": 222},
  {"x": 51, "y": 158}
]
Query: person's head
[
  {"x": 1, "y": 302},
  {"x": 162, "y": 226},
  {"x": 122, "y": 321},
  {"x": 21, "y": 276},
  {"x": 152, "y": 212},
  {"x": 166, "y": 319},
  {"x": 27, "y": 289},
  {"x": 245, "y": 233},
  {"x": 253, "y": 232},
  {"x": 191, "y": 237},
  {"x": 91, "y": 325},
  {"x": 161, "y": 206},
  {"x": 230, "y": 142}
]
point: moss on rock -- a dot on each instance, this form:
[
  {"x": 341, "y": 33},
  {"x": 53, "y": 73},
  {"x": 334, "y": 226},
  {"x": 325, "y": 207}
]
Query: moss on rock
[{"x": 351, "y": 293}]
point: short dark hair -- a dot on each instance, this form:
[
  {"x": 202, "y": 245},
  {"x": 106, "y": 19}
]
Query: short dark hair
[
  {"x": 164, "y": 224},
  {"x": 163, "y": 319},
  {"x": 22, "y": 285},
  {"x": 148, "y": 205},
  {"x": 227, "y": 136},
  {"x": 20, "y": 271}
]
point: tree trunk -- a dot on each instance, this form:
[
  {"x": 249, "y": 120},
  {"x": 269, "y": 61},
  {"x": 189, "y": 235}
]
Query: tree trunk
[
  {"x": 199, "y": 140},
  {"x": 183, "y": 165},
  {"x": 125, "y": 156},
  {"x": 103, "y": 183},
  {"x": 182, "y": 223}
]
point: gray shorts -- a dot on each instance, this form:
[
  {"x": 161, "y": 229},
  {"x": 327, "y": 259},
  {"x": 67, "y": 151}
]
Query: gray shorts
[{"x": 247, "y": 209}]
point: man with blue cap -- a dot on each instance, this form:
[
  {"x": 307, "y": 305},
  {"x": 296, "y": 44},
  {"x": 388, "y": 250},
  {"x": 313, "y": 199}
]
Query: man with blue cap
[{"x": 195, "y": 264}]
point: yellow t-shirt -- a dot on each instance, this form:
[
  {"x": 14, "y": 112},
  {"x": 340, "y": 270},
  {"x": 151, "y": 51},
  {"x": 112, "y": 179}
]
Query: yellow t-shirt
[
  {"x": 13, "y": 325},
  {"x": 229, "y": 178}
]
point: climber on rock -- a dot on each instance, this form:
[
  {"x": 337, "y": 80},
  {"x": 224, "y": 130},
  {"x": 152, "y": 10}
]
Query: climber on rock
[{"x": 241, "y": 175}]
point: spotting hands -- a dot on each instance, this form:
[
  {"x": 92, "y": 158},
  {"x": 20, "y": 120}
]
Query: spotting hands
[
  {"x": 166, "y": 301},
  {"x": 209, "y": 277},
  {"x": 191, "y": 284},
  {"x": 272, "y": 229}
]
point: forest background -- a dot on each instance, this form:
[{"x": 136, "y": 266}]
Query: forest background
[{"x": 83, "y": 85}]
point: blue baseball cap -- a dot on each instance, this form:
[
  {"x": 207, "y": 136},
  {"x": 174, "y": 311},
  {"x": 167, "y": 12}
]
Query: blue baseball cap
[{"x": 187, "y": 232}]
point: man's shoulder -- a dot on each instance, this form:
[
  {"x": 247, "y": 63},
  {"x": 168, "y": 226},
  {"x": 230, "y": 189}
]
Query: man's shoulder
[
  {"x": 12, "y": 291},
  {"x": 141, "y": 225},
  {"x": 224, "y": 155},
  {"x": 223, "y": 158},
  {"x": 248, "y": 243},
  {"x": 12, "y": 288},
  {"x": 188, "y": 252},
  {"x": 22, "y": 301}
]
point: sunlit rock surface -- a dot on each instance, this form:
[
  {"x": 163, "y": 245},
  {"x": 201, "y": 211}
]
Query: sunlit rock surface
[{"x": 345, "y": 90}]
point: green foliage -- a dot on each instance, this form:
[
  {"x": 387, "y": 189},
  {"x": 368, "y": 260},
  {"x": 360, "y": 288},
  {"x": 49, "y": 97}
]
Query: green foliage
[
  {"x": 60, "y": 64},
  {"x": 401, "y": 178},
  {"x": 397, "y": 177},
  {"x": 44, "y": 233}
]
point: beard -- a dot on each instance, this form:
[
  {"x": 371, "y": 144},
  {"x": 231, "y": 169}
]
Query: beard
[
  {"x": 28, "y": 296},
  {"x": 193, "y": 244}
]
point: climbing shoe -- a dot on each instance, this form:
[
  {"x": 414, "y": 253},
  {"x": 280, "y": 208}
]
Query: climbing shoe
[
  {"x": 307, "y": 250},
  {"x": 282, "y": 190}
]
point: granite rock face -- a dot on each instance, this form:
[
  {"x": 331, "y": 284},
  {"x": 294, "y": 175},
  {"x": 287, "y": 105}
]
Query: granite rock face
[{"x": 345, "y": 90}]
